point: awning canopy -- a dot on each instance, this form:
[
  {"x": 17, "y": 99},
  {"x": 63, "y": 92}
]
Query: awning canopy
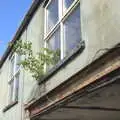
[
  {"x": 93, "y": 93},
  {"x": 103, "y": 103}
]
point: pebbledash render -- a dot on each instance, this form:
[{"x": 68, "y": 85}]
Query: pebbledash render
[{"x": 84, "y": 84}]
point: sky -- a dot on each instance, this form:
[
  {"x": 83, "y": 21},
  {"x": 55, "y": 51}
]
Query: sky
[{"x": 12, "y": 13}]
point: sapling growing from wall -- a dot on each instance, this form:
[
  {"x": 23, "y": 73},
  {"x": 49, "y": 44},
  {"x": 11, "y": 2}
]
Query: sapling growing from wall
[{"x": 35, "y": 64}]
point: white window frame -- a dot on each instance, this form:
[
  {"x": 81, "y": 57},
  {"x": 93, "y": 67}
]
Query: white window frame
[
  {"x": 13, "y": 78},
  {"x": 62, "y": 18}
]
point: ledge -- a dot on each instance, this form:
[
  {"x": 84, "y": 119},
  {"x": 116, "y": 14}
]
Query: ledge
[
  {"x": 112, "y": 53},
  {"x": 10, "y": 106},
  {"x": 63, "y": 62}
]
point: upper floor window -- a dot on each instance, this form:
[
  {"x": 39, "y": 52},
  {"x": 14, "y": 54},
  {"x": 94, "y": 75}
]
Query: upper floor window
[
  {"x": 62, "y": 25},
  {"x": 14, "y": 78}
]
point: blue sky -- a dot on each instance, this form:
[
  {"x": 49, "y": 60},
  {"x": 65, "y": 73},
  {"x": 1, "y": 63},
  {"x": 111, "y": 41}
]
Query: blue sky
[{"x": 11, "y": 14}]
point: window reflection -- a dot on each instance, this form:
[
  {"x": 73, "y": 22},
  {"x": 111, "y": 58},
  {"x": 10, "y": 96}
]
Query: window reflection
[
  {"x": 12, "y": 66},
  {"x": 14, "y": 78},
  {"x": 52, "y": 14},
  {"x": 17, "y": 87},
  {"x": 17, "y": 62},
  {"x": 54, "y": 42},
  {"x": 72, "y": 31},
  {"x": 11, "y": 85},
  {"x": 67, "y": 4},
  {"x": 69, "y": 25}
]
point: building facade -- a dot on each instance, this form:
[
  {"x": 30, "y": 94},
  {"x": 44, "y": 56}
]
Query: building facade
[{"x": 84, "y": 84}]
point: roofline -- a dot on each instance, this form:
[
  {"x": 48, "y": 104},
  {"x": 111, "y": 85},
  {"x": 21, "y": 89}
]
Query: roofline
[{"x": 21, "y": 28}]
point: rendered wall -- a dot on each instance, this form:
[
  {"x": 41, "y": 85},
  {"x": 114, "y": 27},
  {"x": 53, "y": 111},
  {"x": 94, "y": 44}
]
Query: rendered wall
[
  {"x": 100, "y": 29},
  {"x": 33, "y": 33},
  {"x": 100, "y": 26}
]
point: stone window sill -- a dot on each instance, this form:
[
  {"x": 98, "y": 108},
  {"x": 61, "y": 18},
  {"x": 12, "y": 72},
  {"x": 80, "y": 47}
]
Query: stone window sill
[
  {"x": 9, "y": 106},
  {"x": 79, "y": 49}
]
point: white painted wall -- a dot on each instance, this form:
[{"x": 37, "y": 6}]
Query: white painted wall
[{"x": 100, "y": 27}]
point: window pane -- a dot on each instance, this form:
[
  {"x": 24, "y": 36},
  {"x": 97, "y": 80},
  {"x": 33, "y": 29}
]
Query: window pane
[
  {"x": 72, "y": 31},
  {"x": 67, "y": 4},
  {"x": 16, "y": 86},
  {"x": 54, "y": 42},
  {"x": 11, "y": 85},
  {"x": 52, "y": 14},
  {"x": 12, "y": 66},
  {"x": 17, "y": 62}
]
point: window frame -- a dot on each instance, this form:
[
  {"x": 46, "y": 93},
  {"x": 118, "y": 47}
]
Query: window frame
[
  {"x": 59, "y": 24},
  {"x": 12, "y": 78}
]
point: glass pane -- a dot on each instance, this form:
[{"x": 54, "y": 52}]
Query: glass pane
[
  {"x": 52, "y": 14},
  {"x": 67, "y": 4},
  {"x": 12, "y": 66},
  {"x": 11, "y": 85},
  {"x": 54, "y": 42},
  {"x": 72, "y": 31},
  {"x": 17, "y": 62},
  {"x": 16, "y": 86}
]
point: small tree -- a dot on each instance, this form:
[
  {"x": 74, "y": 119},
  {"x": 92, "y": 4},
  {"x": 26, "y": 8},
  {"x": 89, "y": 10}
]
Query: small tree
[{"x": 35, "y": 63}]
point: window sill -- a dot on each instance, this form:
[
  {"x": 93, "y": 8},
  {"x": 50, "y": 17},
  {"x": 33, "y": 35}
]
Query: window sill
[
  {"x": 63, "y": 62},
  {"x": 10, "y": 106}
]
